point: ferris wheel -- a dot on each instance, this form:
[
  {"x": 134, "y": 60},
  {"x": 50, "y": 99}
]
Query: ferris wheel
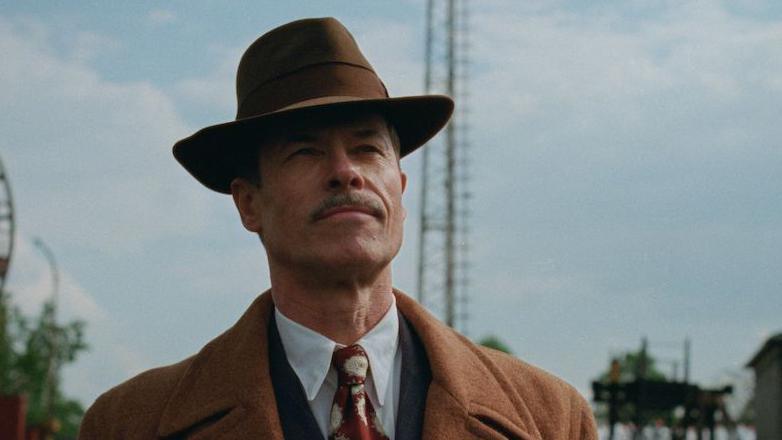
[{"x": 6, "y": 226}]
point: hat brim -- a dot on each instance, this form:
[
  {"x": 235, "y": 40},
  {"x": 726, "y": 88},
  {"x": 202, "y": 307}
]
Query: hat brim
[{"x": 213, "y": 153}]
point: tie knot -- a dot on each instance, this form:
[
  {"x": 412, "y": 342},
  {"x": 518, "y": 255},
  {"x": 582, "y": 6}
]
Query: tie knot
[{"x": 351, "y": 363}]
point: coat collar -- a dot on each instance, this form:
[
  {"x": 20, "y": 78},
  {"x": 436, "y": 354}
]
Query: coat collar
[
  {"x": 228, "y": 380},
  {"x": 468, "y": 391},
  {"x": 227, "y": 388}
]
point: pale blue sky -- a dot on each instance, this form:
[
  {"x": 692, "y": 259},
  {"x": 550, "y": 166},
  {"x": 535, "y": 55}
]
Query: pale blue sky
[{"x": 626, "y": 160}]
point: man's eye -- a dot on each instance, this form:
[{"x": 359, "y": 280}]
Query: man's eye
[
  {"x": 307, "y": 151},
  {"x": 369, "y": 149}
]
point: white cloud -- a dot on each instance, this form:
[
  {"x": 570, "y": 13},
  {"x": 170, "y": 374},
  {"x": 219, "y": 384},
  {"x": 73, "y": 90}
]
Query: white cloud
[
  {"x": 393, "y": 50},
  {"x": 214, "y": 91},
  {"x": 554, "y": 67},
  {"x": 90, "y": 159},
  {"x": 88, "y": 45},
  {"x": 91, "y": 169},
  {"x": 161, "y": 16}
]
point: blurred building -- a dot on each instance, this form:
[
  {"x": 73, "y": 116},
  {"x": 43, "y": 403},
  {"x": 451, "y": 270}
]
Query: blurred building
[{"x": 767, "y": 364}]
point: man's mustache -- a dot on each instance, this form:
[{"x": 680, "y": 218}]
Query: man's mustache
[{"x": 347, "y": 199}]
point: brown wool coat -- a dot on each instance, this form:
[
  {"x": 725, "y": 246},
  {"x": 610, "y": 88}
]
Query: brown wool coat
[{"x": 225, "y": 392}]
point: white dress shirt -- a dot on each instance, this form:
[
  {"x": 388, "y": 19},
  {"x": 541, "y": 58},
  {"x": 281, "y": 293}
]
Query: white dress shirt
[{"x": 309, "y": 353}]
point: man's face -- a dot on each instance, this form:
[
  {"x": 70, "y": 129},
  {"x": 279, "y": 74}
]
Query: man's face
[{"x": 330, "y": 197}]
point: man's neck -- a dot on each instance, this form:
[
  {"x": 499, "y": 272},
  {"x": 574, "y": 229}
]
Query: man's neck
[{"x": 341, "y": 310}]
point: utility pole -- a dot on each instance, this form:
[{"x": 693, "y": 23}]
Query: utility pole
[
  {"x": 641, "y": 369},
  {"x": 642, "y": 365},
  {"x": 686, "y": 360},
  {"x": 444, "y": 217}
]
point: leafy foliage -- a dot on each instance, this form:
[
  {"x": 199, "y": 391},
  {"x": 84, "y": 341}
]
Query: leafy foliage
[
  {"x": 629, "y": 366},
  {"x": 494, "y": 342},
  {"x": 32, "y": 353}
]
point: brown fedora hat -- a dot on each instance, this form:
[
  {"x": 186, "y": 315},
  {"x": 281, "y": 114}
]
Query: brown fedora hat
[{"x": 297, "y": 71}]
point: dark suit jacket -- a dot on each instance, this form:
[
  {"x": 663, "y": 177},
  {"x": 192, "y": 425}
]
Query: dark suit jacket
[{"x": 225, "y": 391}]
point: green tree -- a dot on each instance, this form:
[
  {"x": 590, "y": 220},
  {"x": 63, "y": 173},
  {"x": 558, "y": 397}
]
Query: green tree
[
  {"x": 630, "y": 363},
  {"x": 9, "y": 327},
  {"x": 32, "y": 354},
  {"x": 494, "y": 342}
]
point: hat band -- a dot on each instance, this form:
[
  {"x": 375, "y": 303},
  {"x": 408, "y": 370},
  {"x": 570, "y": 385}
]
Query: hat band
[{"x": 321, "y": 80}]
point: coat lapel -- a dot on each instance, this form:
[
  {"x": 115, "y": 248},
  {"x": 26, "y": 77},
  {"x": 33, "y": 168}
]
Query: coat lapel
[
  {"x": 414, "y": 383},
  {"x": 227, "y": 391},
  {"x": 468, "y": 397},
  {"x": 295, "y": 414}
]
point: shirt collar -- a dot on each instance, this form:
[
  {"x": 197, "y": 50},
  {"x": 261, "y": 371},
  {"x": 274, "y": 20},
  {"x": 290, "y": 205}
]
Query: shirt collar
[
  {"x": 381, "y": 343},
  {"x": 309, "y": 353}
]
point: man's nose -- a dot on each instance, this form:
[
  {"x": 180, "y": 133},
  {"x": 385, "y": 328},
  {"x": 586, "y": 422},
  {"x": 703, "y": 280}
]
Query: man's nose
[{"x": 344, "y": 173}]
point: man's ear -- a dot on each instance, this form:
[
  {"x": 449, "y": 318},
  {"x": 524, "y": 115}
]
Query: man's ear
[
  {"x": 246, "y": 196},
  {"x": 403, "y": 176}
]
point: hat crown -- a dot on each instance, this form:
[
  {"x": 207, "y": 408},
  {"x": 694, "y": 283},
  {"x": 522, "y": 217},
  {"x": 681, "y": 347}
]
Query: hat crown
[
  {"x": 294, "y": 46},
  {"x": 294, "y": 71}
]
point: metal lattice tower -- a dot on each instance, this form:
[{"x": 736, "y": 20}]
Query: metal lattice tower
[{"x": 443, "y": 263}]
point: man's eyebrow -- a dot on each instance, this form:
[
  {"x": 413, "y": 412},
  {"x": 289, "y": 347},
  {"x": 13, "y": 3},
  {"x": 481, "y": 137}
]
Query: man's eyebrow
[
  {"x": 365, "y": 133},
  {"x": 300, "y": 137},
  {"x": 303, "y": 137}
]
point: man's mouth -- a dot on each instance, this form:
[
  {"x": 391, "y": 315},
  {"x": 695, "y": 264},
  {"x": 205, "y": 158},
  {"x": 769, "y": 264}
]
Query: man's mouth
[
  {"x": 348, "y": 204},
  {"x": 359, "y": 210}
]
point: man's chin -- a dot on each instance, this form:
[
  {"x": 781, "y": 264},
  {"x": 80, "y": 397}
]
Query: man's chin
[
  {"x": 354, "y": 260},
  {"x": 345, "y": 262}
]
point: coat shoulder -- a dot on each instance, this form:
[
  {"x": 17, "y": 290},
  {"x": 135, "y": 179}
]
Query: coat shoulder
[
  {"x": 133, "y": 408},
  {"x": 553, "y": 403}
]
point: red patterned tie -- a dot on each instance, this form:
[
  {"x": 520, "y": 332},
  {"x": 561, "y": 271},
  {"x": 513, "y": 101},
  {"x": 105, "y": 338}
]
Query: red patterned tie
[{"x": 352, "y": 415}]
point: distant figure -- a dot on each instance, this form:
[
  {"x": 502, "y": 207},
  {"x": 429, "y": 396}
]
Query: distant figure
[{"x": 331, "y": 350}]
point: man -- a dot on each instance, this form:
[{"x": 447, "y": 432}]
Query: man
[{"x": 331, "y": 350}]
